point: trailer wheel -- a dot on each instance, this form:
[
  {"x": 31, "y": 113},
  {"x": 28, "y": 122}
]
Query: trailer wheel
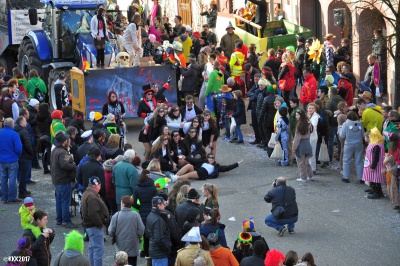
[
  {"x": 28, "y": 58},
  {"x": 53, "y": 76}
]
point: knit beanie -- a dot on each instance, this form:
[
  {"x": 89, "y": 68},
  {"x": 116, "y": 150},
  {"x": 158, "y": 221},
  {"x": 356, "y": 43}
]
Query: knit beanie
[{"x": 271, "y": 89}]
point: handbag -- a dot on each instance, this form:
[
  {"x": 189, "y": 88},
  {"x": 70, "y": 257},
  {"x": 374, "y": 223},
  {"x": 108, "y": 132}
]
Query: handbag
[
  {"x": 272, "y": 141},
  {"x": 282, "y": 84},
  {"x": 233, "y": 125},
  {"x": 277, "y": 153},
  {"x": 114, "y": 238},
  {"x": 279, "y": 211},
  {"x": 323, "y": 153}
]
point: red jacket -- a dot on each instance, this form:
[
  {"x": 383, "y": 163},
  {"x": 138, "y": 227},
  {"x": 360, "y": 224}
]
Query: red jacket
[
  {"x": 345, "y": 86},
  {"x": 308, "y": 92}
]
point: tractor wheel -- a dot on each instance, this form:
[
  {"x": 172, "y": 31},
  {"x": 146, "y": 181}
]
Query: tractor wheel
[
  {"x": 28, "y": 58},
  {"x": 53, "y": 76}
]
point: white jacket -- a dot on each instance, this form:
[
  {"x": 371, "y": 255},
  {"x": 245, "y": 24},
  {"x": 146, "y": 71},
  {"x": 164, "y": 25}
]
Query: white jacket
[
  {"x": 94, "y": 24},
  {"x": 132, "y": 37}
]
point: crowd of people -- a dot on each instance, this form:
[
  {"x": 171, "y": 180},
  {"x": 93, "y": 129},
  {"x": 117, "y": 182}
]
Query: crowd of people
[{"x": 129, "y": 195}]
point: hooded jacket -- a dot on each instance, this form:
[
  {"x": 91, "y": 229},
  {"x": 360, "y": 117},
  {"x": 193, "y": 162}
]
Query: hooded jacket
[
  {"x": 352, "y": 132},
  {"x": 35, "y": 83},
  {"x": 372, "y": 117},
  {"x": 215, "y": 82},
  {"x": 308, "y": 92}
]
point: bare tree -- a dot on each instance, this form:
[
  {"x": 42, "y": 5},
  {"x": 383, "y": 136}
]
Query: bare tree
[{"x": 389, "y": 11}]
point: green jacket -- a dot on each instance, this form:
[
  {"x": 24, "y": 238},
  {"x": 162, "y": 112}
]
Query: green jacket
[
  {"x": 56, "y": 125},
  {"x": 215, "y": 82},
  {"x": 293, "y": 121},
  {"x": 125, "y": 179},
  {"x": 34, "y": 83}
]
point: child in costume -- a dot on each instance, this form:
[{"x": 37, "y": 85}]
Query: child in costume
[
  {"x": 282, "y": 135},
  {"x": 162, "y": 185},
  {"x": 26, "y": 212},
  {"x": 373, "y": 163}
]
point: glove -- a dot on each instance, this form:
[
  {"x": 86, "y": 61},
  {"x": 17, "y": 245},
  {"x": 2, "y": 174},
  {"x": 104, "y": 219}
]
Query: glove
[{"x": 169, "y": 79}]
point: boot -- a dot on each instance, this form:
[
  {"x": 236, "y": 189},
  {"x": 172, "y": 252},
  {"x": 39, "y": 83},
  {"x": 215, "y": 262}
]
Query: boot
[{"x": 148, "y": 261}]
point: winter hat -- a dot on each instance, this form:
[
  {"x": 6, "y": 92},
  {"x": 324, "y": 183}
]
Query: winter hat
[
  {"x": 263, "y": 81},
  {"x": 97, "y": 116},
  {"x": 330, "y": 79},
  {"x": 74, "y": 241},
  {"x": 245, "y": 238},
  {"x": 94, "y": 180},
  {"x": 22, "y": 98},
  {"x": 271, "y": 89},
  {"x": 178, "y": 46},
  {"x": 248, "y": 224},
  {"x": 291, "y": 48},
  {"x": 155, "y": 201},
  {"x": 196, "y": 34},
  {"x": 259, "y": 248},
  {"x": 33, "y": 102},
  {"x": 28, "y": 202},
  {"x": 57, "y": 114}
]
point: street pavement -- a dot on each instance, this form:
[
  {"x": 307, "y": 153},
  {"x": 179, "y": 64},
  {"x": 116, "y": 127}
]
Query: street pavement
[{"x": 337, "y": 223}]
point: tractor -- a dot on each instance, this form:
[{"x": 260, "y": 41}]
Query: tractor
[{"x": 64, "y": 42}]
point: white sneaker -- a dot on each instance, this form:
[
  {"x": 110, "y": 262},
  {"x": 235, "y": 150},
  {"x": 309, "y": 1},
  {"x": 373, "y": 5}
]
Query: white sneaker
[
  {"x": 173, "y": 178},
  {"x": 301, "y": 180},
  {"x": 310, "y": 178}
]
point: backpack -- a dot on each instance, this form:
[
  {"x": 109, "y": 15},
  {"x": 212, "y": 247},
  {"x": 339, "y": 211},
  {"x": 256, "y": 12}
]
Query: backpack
[{"x": 38, "y": 95}]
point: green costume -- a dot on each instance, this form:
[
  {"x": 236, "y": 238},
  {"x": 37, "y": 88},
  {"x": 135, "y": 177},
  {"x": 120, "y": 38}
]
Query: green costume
[{"x": 34, "y": 83}]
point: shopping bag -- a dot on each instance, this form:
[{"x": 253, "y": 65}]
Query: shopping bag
[
  {"x": 277, "y": 153},
  {"x": 323, "y": 153},
  {"x": 233, "y": 125},
  {"x": 272, "y": 141}
]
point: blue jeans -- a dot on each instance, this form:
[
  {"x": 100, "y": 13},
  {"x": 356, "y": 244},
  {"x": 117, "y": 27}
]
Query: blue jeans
[
  {"x": 9, "y": 173},
  {"x": 96, "y": 246},
  {"x": 63, "y": 200},
  {"x": 159, "y": 262},
  {"x": 278, "y": 224},
  {"x": 239, "y": 134},
  {"x": 25, "y": 167},
  {"x": 227, "y": 127}
]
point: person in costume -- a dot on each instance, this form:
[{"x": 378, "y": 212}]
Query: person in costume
[{"x": 73, "y": 251}]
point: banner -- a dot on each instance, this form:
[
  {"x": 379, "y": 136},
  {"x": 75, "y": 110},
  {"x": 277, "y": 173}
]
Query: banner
[
  {"x": 377, "y": 74},
  {"x": 127, "y": 83},
  {"x": 19, "y": 25}
]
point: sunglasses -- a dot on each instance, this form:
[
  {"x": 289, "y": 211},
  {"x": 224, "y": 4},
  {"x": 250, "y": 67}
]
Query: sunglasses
[
  {"x": 122, "y": 57},
  {"x": 191, "y": 132},
  {"x": 176, "y": 110},
  {"x": 211, "y": 157},
  {"x": 195, "y": 121},
  {"x": 165, "y": 139},
  {"x": 161, "y": 110},
  {"x": 176, "y": 135}
]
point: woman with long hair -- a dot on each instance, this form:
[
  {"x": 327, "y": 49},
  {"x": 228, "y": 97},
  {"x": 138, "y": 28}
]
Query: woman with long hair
[
  {"x": 172, "y": 196},
  {"x": 286, "y": 77},
  {"x": 302, "y": 147},
  {"x": 163, "y": 131},
  {"x": 144, "y": 192},
  {"x": 180, "y": 197},
  {"x": 112, "y": 147},
  {"x": 178, "y": 148},
  {"x": 211, "y": 193},
  {"x": 162, "y": 152},
  {"x": 98, "y": 26},
  {"x": 313, "y": 117},
  {"x": 202, "y": 169},
  {"x": 213, "y": 225},
  {"x": 196, "y": 123},
  {"x": 151, "y": 131},
  {"x": 36, "y": 88},
  {"x": 174, "y": 118},
  {"x": 194, "y": 146},
  {"x": 210, "y": 132},
  {"x": 113, "y": 106},
  {"x": 108, "y": 167}
]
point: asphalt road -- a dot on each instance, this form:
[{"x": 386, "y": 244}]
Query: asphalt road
[{"x": 337, "y": 223}]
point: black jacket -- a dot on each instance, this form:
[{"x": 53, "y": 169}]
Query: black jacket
[
  {"x": 40, "y": 247},
  {"x": 274, "y": 64},
  {"x": 112, "y": 153},
  {"x": 189, "y": 74},
  {"x": 89, "y": 169},
  {"x": 253, "y": 260},
  {"x": 27, "y": 151},
  {"x": 165, "y": 161},
  {"x": 268, "y": 111},
  {"x": 44, "y": 123},
  {"x": 174, "y": 147},
  {"x": 182, "y": 210},
  {"x": 83, "y": 150},
  {"x": 259, "y": 101},
  {"x": 275, "y": 196},
  {"x": 252, "y": 94},
  {"x": 199, "y": 148},
  {"x": 239, "y": 112},
  {"x": 32, "y": 120},
  {"x": 144, "y": 191},
  {"x": 211, "y": 17},
  {"x": 159, "y": 236},
  {"x": 261, "y": 12},
  {"x": 176, "y": 236}
]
